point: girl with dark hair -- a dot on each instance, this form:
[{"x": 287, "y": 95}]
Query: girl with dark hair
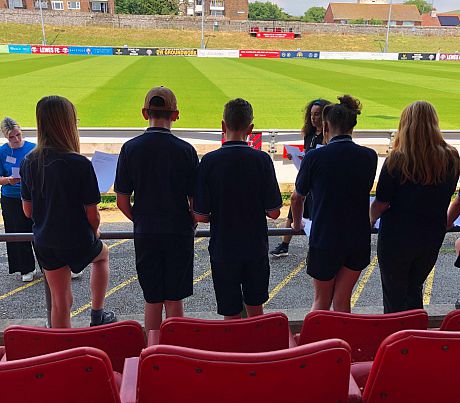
[
  {"x": 413, "y": 192},
  {"x": 60, "y": 193},
  {"x": 312, "y": 132},
  {"x": 20, "y": 255},
  {"x": 339, "y": 176}
]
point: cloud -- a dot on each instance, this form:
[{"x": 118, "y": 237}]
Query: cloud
[{"x": 298, "y": 7}]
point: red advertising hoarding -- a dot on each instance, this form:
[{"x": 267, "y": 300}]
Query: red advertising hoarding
[
  {"x": 268, "y": 54},
  {"x": 254, "y": 140},
  {"x": 275, "y": 35},
  {"x": 49, "y": 50},
  {"x": 450, "y": 57}
]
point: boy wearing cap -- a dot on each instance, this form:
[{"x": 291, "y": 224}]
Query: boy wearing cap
[
  {"x": 159, "y": 169},
  {"x": 236, "y": 188}
]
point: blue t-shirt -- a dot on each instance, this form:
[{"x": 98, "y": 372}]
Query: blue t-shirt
[{"x": 12, "y": 158}]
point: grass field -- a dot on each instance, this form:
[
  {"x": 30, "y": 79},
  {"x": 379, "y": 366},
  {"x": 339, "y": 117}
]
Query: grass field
[
  {"x": 107, "y": 36},
  {"x": 109, "y": 91}
]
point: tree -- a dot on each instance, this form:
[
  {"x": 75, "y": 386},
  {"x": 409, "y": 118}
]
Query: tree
[
  {"x": 266, "y": 11},
  {"x": 155, "y": 7},
  {"x": 422, "y": 5},
  {"x": 314, "y": 14}
]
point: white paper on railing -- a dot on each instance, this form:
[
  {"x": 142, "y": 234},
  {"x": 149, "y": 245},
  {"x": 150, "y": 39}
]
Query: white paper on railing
[
  {"x": 307, "y": 226},
  {"x": 15, "y": 173},
  {"x": 105, "y": 166},
  {"x": 297, "y": 155}
]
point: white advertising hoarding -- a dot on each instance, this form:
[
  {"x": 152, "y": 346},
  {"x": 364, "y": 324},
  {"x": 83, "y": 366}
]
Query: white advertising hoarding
[
  {"x": 218, "y": 53},
  {"x": 358, "y": 56}
]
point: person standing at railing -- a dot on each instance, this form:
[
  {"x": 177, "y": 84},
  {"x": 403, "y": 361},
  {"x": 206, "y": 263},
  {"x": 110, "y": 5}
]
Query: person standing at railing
[
  {"x": 312, "y": 132},
  {"x": 340, "y": 177},
  {"x": 60, "y": 193},
  {"x": 20, "y": 254},
  {"x": 237, "y": 185},
  {"x": 414, "y": 189},
  {"x": 159, "y": 168}
]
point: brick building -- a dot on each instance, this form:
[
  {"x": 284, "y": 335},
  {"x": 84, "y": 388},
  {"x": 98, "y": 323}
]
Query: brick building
[
  {"x": 345, "y": 13},
  {"x": 95, "y": 6},
  {"x": 231, "y": 9}
]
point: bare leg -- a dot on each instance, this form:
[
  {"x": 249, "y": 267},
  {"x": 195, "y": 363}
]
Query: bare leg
[
  {"x": 324, "y": 290},
  {"x": 457, "y": 246},
  {"x": 153, "y": 316},
  {"x": 237, "y": 316},
  {"x": 254, "y": 310},
  {"x": 174, "y": 308},
  {"x": 61, "y": 296},
  {"x": 287, "y": 238},
  {"x": 99, "y": 279},
  {"x": 344, "y": 283}
]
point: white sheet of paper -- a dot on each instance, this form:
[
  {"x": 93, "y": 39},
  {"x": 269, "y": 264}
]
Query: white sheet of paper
[
  {"x": 15, "y": 172},
  {"x": 105, "y": 166},
  {"x": 296, "y": 154},
  {"x": 307, "y": 226}
]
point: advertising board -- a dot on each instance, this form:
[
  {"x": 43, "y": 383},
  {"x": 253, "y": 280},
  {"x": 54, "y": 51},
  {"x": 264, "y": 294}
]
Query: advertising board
[
  {"x": 19, "y": 49},
  {"x": 218, "y": 53},
  {"x": 417, "y": 56},
  {"x": 299, "y": 54},
  {"x": 267, "y": 54}
]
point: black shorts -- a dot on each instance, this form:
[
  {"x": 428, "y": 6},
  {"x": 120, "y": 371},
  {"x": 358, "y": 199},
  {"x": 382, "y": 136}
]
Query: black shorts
[
  {"x": 238, "y": 282},
  {"x": 324, "y": 264},
  {"x": 164, "y": 265},
  {"x": 76, "y": 258}
]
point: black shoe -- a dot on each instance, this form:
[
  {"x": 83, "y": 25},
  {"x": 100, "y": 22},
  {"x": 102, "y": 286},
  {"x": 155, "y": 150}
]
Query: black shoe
[
  {"x": 281, "y": 250},
  {"x": 106, "y": 318}
]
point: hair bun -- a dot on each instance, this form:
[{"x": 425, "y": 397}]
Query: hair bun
[{"x": 351, "y": 103}]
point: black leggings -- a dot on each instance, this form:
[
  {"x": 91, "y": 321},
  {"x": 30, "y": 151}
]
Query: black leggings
[
  {"x": 20, "y": 255},
  {"x": 404, "y": 269}
]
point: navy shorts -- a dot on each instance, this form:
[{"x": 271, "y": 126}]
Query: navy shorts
[
  {"x": 164, "y": 265},
  {"x": 238, "y": 282},
  {"x": 324, "y": 264},
  {"x": 76, "y": 258}
]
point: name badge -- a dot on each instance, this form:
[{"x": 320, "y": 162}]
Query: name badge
[{"x": 10, "y": 159}]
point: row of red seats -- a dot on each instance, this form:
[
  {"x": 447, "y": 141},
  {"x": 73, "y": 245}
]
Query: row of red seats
[{"x": 182, "y": 367}]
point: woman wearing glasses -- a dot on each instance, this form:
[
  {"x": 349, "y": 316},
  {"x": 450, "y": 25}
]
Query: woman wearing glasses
[{"x": 20, "y": 255}]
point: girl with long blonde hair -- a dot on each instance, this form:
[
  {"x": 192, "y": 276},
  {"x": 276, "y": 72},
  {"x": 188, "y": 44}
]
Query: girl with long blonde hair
[
  {"x": 60, "y": 193},
  {"x": 413, "y": 193}
]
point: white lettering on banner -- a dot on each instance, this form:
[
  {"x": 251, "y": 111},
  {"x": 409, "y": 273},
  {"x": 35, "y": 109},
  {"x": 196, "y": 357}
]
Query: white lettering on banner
[
  {"x": 358, "y": 56},
  {"x": 218, "y": 53},
  {"x": 450, "y": 57}
]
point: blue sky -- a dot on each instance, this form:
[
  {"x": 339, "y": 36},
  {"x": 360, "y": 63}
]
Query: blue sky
[{"x": 298, "y": 7}]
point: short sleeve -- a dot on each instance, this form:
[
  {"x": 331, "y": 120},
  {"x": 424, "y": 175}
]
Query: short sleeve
[
  {"x": 123, "y": 180},
  {"x": 201, "y": 194},
  {"x": 90, "y": 188},
  {"x": 302, "y": 182},
  {"x": 25, "y": 189},
  {"x": 272, "y": 195},
  {"x": 386, "y": 185},
  {"x": 192, "y": 174}
]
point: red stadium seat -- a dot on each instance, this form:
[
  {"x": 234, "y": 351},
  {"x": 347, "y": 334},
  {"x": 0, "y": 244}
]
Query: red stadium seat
[
  {"x": 267, "y": 332},
  {"x": 79, "y": 375},
  {"x": 363, "y": 333},
  {"x": 315, "y": 373},
  {"x": 415, "y": 366},
  {"x": 452, "y": 321},
  {"x": 118, "y": 340}
]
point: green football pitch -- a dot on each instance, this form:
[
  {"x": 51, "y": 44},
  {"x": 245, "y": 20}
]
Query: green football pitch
[{"x": 109, "y": 91}]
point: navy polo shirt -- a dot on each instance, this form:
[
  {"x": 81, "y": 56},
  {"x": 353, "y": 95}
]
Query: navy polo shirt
[
  {"x": 339, "y": 176},
  {"x": 159, "y": 168},
  {"x": 59, "y": 189},
  {"x": 236, "y": 185},
  {"x": 417, "y": 213}
]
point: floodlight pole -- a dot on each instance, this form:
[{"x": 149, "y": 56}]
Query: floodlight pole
[
  {"x": 388, "y": 27},
  {"x": 202, "y": 23},
  {"x": 43, "y": 23}
]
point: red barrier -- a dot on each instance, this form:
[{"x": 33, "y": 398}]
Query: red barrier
[{"x": 254, "y": 140}]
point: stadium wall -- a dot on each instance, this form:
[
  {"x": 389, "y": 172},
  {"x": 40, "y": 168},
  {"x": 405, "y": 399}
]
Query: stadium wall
[{"x": 194, "y": 23}]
